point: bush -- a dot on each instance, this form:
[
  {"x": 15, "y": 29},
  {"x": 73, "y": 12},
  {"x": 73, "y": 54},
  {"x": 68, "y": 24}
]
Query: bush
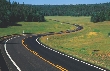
[{"x": 108, "y": 34}]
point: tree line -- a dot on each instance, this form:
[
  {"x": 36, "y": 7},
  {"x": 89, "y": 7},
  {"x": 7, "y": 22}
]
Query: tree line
[
  {"x": 10, "y": 13},
  {"x": 98, "y": 12},
  {"x": 101, "y": 16},
  {"x": 73, "y": 10}
]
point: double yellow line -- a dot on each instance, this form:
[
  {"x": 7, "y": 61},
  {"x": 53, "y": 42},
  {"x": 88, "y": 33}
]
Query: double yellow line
[{"x": 35, "y": 53}]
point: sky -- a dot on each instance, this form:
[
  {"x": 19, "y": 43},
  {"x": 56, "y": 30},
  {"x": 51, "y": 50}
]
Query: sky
[{"x": 60, "y": 2}]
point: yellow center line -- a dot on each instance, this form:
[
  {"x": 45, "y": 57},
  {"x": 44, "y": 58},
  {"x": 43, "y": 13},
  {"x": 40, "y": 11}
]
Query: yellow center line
[{"x": 35, "y": 53}]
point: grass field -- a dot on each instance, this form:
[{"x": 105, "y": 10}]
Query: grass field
[
  {"x": 35, "y": 27},
  {"x": 92, "y": 44}
]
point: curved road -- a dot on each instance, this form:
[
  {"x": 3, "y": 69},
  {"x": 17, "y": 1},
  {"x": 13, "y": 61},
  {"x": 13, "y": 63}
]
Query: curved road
[{"x": 26, "y": 53}]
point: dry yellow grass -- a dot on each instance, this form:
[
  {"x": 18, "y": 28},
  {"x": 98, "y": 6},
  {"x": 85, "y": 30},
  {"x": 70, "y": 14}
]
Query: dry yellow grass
[
  {"x": 92, "y": 33},
  {"x": 92, "y": 44}
]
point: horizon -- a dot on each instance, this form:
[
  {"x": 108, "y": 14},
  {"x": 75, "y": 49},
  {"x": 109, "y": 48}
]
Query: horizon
[{"x": 61, "y": 2}]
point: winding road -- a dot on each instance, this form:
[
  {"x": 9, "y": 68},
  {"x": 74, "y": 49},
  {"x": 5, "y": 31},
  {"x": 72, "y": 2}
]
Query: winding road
[{"x": 27, "y": 53}]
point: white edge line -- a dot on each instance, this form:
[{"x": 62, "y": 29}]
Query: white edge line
[
  {"x": 11, "y": 58},
  {"x": 70, "y": 57}
]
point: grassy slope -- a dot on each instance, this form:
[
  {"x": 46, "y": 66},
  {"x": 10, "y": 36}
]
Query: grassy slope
[{"x": 82, "y": 44}]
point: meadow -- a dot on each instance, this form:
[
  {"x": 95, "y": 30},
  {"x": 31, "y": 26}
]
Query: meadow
[
  {"x": 35, "y": 28},
  {"x": 91, "y": 44}
]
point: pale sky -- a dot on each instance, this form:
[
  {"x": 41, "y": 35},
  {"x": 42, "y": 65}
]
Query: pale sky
[{"x": 60, "y": 2}]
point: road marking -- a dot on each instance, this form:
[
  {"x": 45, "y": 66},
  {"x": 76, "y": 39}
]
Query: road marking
[
  {"x": 70, "y": 57},
  {"x": 50, "y": 49},
  {"x": 55, "y": 51},
  {"x": 99, "y": 68},
  {"x": 94, "y": 66},
  {"x": 35, "y": 53},
  {"x": 63, "y": 54},
  {"x": 46, "y": 47},
  {"x": 83, "y": 62},
  {"x": 89, "y": 64},
  {"x": 11, "y": 58},
  {"x": 75, "y": 59},
  {"x": 43, "y": 46},
  {"x": 7, "y": 41},
  {"x": 60, "y": 53}
]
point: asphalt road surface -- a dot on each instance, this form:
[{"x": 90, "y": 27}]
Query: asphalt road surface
[
  {"x": 58, "y": 58},
  {"x": 24, "y": 59},
  {"x": 47, "y": 59},
  {"x": 3, "y": 66},
  {"x": 26, "y": 53}
]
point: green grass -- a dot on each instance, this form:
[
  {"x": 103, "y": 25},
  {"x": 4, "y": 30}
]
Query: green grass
[
  {"x": 35, "y": 27},
  {"x": 82, "y": 44}
]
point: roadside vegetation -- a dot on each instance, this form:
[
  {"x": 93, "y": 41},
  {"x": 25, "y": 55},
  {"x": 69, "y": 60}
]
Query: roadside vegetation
[
  {"x": 91, "y": 44},
  {"x": 35, "y": 28},
  {"x": 11, "y": 13}
]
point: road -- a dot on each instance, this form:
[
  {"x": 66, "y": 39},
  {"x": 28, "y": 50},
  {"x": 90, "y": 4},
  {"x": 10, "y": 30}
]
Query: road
[
  {"x": 58, "y": 58},
  {"x": 27, "y": 53},
  {"x": 27, "y": 61},
  {"x": 3, "y": 66}
]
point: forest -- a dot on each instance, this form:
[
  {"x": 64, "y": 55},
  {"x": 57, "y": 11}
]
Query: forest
[
  {"x": 10, "y": 13},
  {"x": 15, "y": 12}
]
